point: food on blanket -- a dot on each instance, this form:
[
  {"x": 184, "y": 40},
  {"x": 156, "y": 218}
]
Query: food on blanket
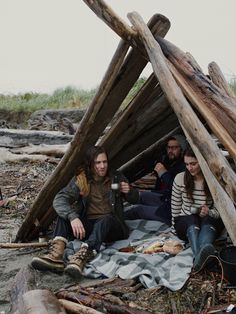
[
  {"x": 128, "y": 249},
  {"x": 155, "y": 247},
  {"x": 172, "y": 247}
]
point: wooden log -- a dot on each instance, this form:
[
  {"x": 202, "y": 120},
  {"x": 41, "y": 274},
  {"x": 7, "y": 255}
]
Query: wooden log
[
  {"x": 73, "y": 307},
  {"x": 24, "y": 281},
  {"x": 107, "y": 15},
  {"x": 219, "y": 80},
  {"x": 7, "y": 156},
  {"x": 221, "y": 105},
  {"x": 22, "y": 245},
  {"x": 210, "y": 151},
  {"x": 221, "y": 199},
  {"x": 145, "y": 162},
  {"x": 118, "y": 80},
  {"x": 19, "y": 138},
  {"x": 43, "y": 149},
  {"x": 39, "y": 302},
  {"x": 98, "y": 301},
  {"x": 211, "y": 118}
]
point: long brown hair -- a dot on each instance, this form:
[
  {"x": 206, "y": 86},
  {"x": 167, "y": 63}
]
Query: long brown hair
[
  {"x": 90, "y": 157},
  {"x": 189, "y": 179}
]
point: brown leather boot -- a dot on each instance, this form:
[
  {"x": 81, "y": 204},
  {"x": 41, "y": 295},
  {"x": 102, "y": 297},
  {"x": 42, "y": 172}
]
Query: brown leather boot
[
  {"x": 54, "y": 259},
  {"x": 78, "y": 261}
]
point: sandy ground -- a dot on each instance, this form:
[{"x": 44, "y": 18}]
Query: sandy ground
[{"x": 22, "y": 181}]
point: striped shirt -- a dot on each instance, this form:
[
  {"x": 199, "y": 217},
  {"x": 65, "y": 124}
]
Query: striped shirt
[{"x": 181, "y": 203}]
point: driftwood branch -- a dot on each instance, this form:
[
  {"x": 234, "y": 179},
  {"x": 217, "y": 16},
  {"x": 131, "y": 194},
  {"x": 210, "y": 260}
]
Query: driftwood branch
[
  {"x": 18, "y": 138},
  {"x": 219, "y": 80},
  {"x": 22, "y": 245},
  {"x": 73, "y": 307}
]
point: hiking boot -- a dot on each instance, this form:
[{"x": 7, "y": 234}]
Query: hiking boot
[
  {"x": 203, "y": 256},
  {"x": 79, "y": 260},
  {"x": 54, "y": 259}
]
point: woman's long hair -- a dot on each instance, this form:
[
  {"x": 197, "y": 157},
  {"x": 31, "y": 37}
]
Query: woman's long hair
[
  {"x": 189, "y": 179},
  {"x": 89, "y": 159}
]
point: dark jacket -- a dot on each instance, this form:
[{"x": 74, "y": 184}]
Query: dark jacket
[
  {"x": 164, "y": 183},
  {"x": 69, "y": 204}
]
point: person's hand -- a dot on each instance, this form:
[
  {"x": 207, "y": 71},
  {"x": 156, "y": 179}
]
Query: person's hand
[
  {"x": 78, "y": 228},
  {"x": 124, "y": 187},
  {"x": 204, "y": 211},
  {"x": 159, "y": 167}
]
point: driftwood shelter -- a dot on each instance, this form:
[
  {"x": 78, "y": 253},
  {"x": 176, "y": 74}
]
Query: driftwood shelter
[{"x": 176, "y": 97}]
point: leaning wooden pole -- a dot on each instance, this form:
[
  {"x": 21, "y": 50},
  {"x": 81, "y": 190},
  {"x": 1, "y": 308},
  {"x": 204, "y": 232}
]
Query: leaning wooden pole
[
  {"x": 117, "y": 82},
  {"x": 219, "y": 80},
  {"x": 203, "y": 141}
]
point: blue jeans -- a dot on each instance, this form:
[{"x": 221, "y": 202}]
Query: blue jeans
[{"x": 151, "y": 208}]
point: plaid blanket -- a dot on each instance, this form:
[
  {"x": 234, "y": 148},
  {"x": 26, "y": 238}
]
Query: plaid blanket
[{"x": 152, "y": 270}]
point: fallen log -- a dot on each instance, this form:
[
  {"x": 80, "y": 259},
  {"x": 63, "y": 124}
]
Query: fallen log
[
  {"x": 24, "y": 281},
  {"x": 98, "y": 302},
  {"x": 39, "y": 302},
  {"x": 73, "y": 307},
  {"x": 22, "y": 245},
  {"x": 18, "y": 138},
  {"x": 7, "y": 156},
  {"x": 117, "y": 82},
  {"x": 49, "y": 150}
]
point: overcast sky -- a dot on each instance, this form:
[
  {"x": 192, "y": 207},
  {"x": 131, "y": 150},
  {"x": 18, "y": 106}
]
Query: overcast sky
[{"x": 49, "y": 44}]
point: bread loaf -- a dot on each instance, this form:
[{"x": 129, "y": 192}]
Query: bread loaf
[{"x": 172, "y": 247}]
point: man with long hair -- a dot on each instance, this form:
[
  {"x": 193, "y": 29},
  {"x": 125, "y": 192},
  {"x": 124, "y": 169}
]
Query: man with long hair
[{"x": 89, "y": 208}]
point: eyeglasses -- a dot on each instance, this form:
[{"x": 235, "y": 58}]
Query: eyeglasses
[{"x": 173, "y": 147}]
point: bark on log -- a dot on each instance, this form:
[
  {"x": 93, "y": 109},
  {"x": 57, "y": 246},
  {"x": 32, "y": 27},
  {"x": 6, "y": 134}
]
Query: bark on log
[
  {"x": 223, "y": 106},
  {"x": 18, "y": 138},
  {"x": 73, "y": 307},
  {"x": 22, "y": 245},
  {"x": 98, "y": 301},
  {"x": 24, "y": 281},
  {"x": 49, "y": 150},
  {"x": 144, "y": 163},
  {"x": 210, "y": 151},
  {"x": 221, "y": 199},
  {"x": 117, "y": 82},
  {"x": 7, "y": 156},
  {"x": 219, "y": 80},
  {"x": 39, "y": 302},
  {"x": 199, "y": 103}
]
